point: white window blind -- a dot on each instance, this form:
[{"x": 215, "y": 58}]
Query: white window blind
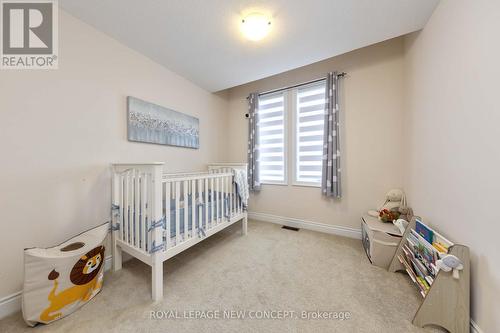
[
  {"x": 271, "y": 131},
  {"x": 310, "y": 113}
]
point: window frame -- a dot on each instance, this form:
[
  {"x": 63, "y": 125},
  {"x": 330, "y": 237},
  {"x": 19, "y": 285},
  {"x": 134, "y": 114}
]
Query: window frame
[
  {"x": 290, "y": 132},
  {"x": 295, "y": 128},
  {"x": 285, "y": 181}
]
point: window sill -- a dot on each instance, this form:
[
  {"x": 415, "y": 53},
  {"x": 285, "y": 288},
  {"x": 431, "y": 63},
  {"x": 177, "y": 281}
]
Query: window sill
[
  {"x": 274, "y": 184},
  {"x": 306, "y": 184}
]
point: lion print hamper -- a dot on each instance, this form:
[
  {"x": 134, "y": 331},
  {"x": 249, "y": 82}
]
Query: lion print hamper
[{"x": 61, "y": 279}]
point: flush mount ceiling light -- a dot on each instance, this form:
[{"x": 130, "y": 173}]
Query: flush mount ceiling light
[{"x": 255, "y": 26}]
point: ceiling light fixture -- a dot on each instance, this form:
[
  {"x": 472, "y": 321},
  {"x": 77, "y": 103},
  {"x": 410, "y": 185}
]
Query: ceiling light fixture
[{"x": 255, "y": 26}]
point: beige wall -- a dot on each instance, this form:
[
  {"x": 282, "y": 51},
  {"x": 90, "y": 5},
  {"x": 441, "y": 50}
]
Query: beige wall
[
  {"x": 452, "y": 137},
  {"x": 60, "y": 130},
  {"x": 371, "y": 105}
]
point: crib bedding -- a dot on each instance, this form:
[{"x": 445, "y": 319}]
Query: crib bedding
[
  {"x": 240, "y": 179},
  {"x": 199, "y": 203}
]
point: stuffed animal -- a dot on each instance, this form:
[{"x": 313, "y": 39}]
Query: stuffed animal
[
  {"x": 387, "y": 216},
  {"x": 394, "y": 207},
  {"x": 450, "y": 262}
]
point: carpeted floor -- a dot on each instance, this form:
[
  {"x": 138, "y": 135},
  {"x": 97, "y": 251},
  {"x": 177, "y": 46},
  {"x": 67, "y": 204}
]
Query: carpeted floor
[{"x": 268, "y": 271}]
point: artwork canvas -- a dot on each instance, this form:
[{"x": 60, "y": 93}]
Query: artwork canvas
[{"x": 151, "y": 123}]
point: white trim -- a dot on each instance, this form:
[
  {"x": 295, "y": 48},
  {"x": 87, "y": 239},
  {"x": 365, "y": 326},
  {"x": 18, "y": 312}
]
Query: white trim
[
  {"x": 12, "y": 303},
  {"x": 274, "y": 182},
  {"x": 307, "y": 184},
  {"x": 108, "y": 263},
  {"x": 309, "y": 225}
]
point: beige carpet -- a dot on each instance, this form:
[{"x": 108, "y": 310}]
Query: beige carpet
[{"x": 269, "y": 269}]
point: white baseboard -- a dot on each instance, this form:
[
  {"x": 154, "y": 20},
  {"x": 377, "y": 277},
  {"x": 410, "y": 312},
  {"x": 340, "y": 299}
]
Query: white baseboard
[
  {"x": 12, "y": 303},
  {"x": 108, "y": 263},
  {"x": 309, "y": 225}
]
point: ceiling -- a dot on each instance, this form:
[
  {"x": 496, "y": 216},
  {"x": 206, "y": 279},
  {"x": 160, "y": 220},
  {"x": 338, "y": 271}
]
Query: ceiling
[{"x": 200, "y": 39}]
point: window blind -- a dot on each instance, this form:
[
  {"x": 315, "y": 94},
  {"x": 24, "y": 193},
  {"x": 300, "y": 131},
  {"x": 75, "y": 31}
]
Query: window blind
[
  {"x": 309, "y": 133},
  {"x": 271, "y": 131}
]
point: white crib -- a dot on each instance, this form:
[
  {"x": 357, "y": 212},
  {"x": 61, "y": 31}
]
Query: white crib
[{"x": 158, "y": 215}]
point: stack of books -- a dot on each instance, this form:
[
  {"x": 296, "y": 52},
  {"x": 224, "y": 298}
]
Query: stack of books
[{"x": 422, "y": 248}]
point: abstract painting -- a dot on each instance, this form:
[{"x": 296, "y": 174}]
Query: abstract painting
[{"x": 151, "y": 123}]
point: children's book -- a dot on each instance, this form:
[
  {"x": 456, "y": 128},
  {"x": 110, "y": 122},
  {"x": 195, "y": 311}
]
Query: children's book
[
  {"x": 424, "y": 231},
  {"x": 425, "y": 254},
  {"x": 439, "y": 247}
]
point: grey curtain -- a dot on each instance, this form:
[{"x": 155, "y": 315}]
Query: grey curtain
[
  {"x": 253, "y": 142},
  {"x": 330, "y": 183}
]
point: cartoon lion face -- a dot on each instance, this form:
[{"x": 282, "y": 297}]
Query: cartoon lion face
[{"x": 88, "y": 266}]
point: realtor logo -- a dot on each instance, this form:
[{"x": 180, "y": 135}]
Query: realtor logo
[{"x": 29, "y": 34}]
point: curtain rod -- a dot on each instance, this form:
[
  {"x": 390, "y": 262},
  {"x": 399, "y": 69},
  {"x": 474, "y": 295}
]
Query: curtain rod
[{"x": 340, "y": 75}]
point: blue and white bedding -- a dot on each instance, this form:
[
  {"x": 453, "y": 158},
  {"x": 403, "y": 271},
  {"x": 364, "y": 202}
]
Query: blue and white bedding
[
  {"x": 240, "y": 178},
  {"x": 199, "y": 204}
]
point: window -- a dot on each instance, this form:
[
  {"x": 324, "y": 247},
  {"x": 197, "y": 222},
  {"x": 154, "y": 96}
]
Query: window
[
  {"x": 271, "y": 131},
  {"x": 306, "y": 105},
  {"x": 309, "y": 123}
]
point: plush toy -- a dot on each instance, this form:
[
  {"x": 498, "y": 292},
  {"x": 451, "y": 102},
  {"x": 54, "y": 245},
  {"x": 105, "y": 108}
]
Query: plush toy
[
  {"x": 387, "y": 216},
  {"x": 401, "y": 224},
  {"x": 450, "y": 262},
  {"x": 393, "y": 208}
]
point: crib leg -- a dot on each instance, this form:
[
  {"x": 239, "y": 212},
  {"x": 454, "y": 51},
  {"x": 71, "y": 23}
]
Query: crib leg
[
  {"x": 244, "y": 225},
  {"x": 117, "y": 257},
  {"x": 157, "y": 281}
]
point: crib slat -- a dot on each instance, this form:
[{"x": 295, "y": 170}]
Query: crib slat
[
  {"x": 230, "y": 195},
  {"x": 240, "y": 204},
  {"x": 186, "y": 210},
  {"x": 229, "y": 191},
  {"x": 223, "y": 192},
  {"x": 136, "y": 209},
  {"x": 206, "y": 200},
  {"x": 212, "y": 202},
  {"x": 149, "y": 208},
  {"x": 131, "y": 205},
  {"x": 200, "y": 210},
  {"x": 122, "y": 206},
  {"x": 127, "y": 208},
  {"x": 236, "y": 198},
  {"x": 193, "y": 207},
  {"x": 131, "y": 200},
  {"x": 217, "y": 207},
  {"x": 167, "y": 213},
  {"x": 177, "y": 213},
  {"x": 142, "y": 212}
]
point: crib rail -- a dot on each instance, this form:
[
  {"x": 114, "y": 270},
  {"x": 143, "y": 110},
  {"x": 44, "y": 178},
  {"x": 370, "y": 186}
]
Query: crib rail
[
  {"x": 156, "y": 211},
  {"x": 137, "y": 206},
  {"x": 196, "y": 203}
]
